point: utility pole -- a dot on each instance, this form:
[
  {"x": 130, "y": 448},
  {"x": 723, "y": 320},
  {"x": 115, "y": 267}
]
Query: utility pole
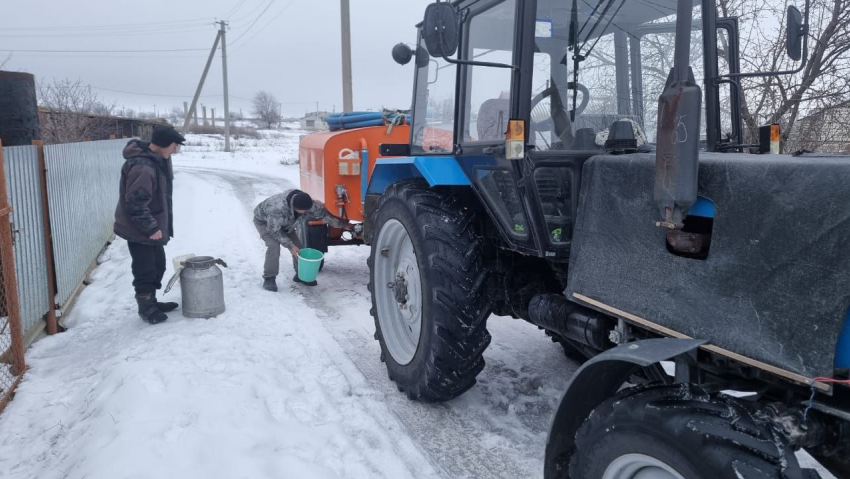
[
  {"x": 185, "y": 108},
  {"x": 193, "y": 108},
  {"x": 347, "y": 100},
  {"x": 213, "y": 117},
  {"x": 223, "y": 33},
  {"x": 205, "y": 114}
]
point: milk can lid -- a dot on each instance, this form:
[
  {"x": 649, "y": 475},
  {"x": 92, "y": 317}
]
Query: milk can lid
[{"x": 200, "y": 262}]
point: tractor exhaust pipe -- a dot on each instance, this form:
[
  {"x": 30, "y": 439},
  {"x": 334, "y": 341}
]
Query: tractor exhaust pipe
[
  {"x": 677, "y": 150},
  {"x": 554, "y": 313}
]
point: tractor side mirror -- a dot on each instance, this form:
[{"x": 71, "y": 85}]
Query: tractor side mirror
[
  {"x": 441, "y": 29},
  {"x": 795, "y": 33},
  {"x": 402, "y": 54}
]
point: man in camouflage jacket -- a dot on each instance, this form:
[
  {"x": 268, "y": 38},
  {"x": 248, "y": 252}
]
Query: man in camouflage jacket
[{"x": 276, "y": 219}]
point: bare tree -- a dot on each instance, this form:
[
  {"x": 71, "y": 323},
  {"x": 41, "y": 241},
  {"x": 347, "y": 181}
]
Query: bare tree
[
  {"x": 823, "y": 85},
  {"x": 176, "y": 116},
  {"x": 5, "y": 61},
  {"x": 266, "y": 109},
  {"x": 73, "y": 113}
]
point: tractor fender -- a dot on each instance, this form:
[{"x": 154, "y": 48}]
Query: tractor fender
[
  {"x": 596, "y": 381},
  {"x": 437, "y": 170}
]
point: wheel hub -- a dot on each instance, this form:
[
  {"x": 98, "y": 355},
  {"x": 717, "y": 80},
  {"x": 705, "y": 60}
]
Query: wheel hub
[
  {"x": 399, "y": 287},
  {"x": 399, "y": 306}
]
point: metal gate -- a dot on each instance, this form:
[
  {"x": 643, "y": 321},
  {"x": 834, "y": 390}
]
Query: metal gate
[{"x": 23, "y": 187}]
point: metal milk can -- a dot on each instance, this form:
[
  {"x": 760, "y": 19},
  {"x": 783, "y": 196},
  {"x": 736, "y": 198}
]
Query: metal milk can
[{"x": 202, "y": 286}]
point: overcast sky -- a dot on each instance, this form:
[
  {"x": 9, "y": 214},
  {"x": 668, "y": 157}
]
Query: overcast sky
[{"x": 292, "y": 49}]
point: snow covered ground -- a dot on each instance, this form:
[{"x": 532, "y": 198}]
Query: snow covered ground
[{"x": 285, "y": 384}]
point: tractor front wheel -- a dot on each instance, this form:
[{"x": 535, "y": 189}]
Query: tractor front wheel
[{"x": 428, "y": 289}]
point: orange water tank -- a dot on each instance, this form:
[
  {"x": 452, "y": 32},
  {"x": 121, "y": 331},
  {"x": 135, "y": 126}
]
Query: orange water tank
[{"x": 330, "y": 162}]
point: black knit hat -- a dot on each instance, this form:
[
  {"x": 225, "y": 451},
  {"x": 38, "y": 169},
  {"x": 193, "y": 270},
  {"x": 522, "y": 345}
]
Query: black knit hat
[
  {"x": 164, "y": 135},
  {"x": 302, "y": 201}
]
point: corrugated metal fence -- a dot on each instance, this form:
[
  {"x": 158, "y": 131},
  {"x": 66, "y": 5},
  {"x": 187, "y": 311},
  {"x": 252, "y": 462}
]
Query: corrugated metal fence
[
  {"x": 24, "y": 190},
  {"x": 82, "y": 190}
]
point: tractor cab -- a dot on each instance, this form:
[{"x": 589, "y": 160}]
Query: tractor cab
[{"x": 581, "y": 78}]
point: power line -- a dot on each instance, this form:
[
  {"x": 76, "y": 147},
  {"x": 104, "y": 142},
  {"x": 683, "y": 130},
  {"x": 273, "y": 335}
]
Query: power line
[
  {"x": 117, "y": 56},
  {"x": 187, "y": 96},
  {"x": 234, "y": 10},
  {"x": 264, "y": 26},
  {"x": 128, "y": 26},
  {"x": 144, "y": 94},
  {"x": 250, "y": 14},
  {"x": 102, "y": 34},
  {"x": 271, "y": 2},
  {"x": 103, "y": 51}
]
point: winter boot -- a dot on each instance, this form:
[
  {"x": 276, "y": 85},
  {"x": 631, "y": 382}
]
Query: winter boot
[
  {"x": 165, "y": 307},
  {"x": 298, "y": 280},
  {"x": 269, "y": 284},
  {"x": 148, "y": 310}
]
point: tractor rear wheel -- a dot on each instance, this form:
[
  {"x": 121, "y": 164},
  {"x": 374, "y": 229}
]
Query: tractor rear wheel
[
  {"x": 677, "y": 431},
  {"x": 428, "y": 288}
]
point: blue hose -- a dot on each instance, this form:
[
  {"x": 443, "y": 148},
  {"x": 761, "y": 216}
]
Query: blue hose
[{"x": 361, "y": 119}]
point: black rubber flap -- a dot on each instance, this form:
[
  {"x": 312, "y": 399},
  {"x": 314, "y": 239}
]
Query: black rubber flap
[{"x": 776, "y": 284}]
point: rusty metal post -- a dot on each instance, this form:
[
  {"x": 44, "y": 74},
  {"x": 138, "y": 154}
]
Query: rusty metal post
[
  {"x": 10, "y": 283},
  {"x": 52, "y": 325}
]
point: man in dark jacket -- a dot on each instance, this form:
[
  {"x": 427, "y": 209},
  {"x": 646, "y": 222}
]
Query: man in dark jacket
[
  {"x": 144, "y": 215},
  {"x": 276, "y": 219}
]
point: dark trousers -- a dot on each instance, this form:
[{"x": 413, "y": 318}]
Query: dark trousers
[{"x": 148, "y": 267}]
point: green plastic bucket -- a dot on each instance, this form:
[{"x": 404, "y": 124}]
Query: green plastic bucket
[{"x": 309, "y": 261}]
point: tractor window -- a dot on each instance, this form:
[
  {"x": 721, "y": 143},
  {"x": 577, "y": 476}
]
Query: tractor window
[
  {"x": 656, "y": 51},
  {"x": 434, "y": 104},
  {"x": 490, "y": 38},
  {"x": 597, "y": 62},
  {"x": 726, "y": 95}
]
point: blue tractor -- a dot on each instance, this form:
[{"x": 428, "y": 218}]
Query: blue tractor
[{"x": 567, "y": 165}]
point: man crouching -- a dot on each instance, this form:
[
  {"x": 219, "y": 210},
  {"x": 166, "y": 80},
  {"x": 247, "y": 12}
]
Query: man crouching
[{"x": 276, "y": 219}]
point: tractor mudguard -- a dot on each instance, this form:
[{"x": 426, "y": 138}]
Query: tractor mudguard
[
  {"x": 596, "y": 381},
  {"x": 437, "y": 170}
]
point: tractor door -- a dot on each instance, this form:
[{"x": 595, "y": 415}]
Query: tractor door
[{"x": 491, "y": 32}]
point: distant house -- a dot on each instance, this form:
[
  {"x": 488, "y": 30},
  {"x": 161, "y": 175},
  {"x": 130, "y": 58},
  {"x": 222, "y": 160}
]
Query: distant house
[
  {"x": 314, "y": 121},
  {"x": 825, "y": 131}
]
